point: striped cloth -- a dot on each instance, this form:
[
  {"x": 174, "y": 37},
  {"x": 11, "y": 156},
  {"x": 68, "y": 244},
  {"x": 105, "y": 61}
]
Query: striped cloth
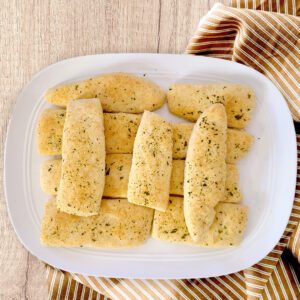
[{"x": 269, "y": 42}]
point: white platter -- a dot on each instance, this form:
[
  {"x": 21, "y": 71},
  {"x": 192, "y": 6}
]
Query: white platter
[{"x": 268, "y": 173}]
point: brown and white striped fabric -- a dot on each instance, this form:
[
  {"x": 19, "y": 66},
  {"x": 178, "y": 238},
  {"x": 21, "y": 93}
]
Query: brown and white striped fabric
[{"x": 268, "y": 40}]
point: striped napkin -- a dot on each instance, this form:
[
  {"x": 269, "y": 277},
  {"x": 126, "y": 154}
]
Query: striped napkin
[{"x": 268, "y": 40}]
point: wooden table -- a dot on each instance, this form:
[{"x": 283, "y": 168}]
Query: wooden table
[{"x": 34, "y": 34}]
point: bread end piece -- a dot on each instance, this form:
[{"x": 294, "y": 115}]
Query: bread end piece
[
  {"x": 229, "y": 226},
  {"x": 49, "y": 131},
  {"x": 232, "y": 187},
  {"x": 50, "y": 173},
  {"x": 118, "y": 92},
  {"x": 170, "y": 225},
  {"x": 239, "y": 143}
]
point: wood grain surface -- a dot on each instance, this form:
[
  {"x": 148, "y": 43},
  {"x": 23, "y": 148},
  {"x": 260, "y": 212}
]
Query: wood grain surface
[{"x": 34, "y": 34}]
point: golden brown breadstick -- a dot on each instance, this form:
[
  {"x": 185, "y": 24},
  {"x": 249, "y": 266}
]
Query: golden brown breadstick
[
  {"x": 205, "y": 170},
  {"x": 190, "y": 100},
  {"x": 119, "y": 224},
  {"x": 118, "y": 92},
  {"x": 83, "y": 159},
  {"x": 149, "y": 178}
]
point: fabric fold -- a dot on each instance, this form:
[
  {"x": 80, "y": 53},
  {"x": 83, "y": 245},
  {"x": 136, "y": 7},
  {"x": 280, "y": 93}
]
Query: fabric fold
[{"x": 265, "y": 41}]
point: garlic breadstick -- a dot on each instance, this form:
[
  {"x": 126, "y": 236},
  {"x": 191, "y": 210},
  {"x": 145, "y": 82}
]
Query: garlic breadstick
[
  {"x": 205, "y": 170},
  {"x": 190, "y": 100},
  {"x": 83, "y": 159},
  {"x": 149, "y": 178},
  {"x": 119, "y": 224},
  {"x": 118, "y": 92}
]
